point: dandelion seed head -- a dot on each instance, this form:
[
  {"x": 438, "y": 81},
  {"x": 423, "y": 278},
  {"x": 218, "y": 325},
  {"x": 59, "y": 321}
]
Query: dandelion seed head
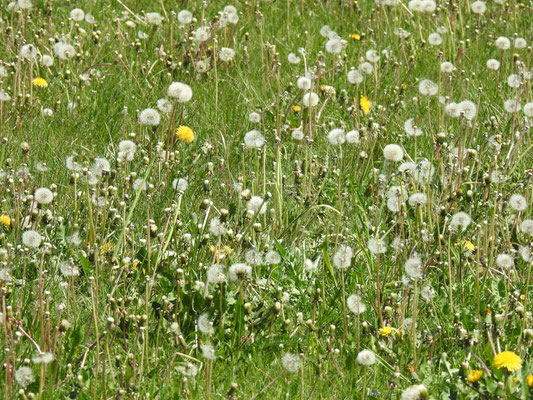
[
  {"x": 366, "y": 357},
  {"x": 355, "y": 304},
  {"x": 291, "y": 362},
  {"x": 179, "y": 91}
]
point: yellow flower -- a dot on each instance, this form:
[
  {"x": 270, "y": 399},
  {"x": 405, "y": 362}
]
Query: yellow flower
[
  {"x": 355, "y": 36},
  {"x": 41, "y": 82},
  {"x": 474, "y": 375},
  {"x": 106, "y": 247},
  {"x": 5, "y": 220},
  {"x": 365, "y": 104},
  {"x": 404, "y": 86},
  {"x": 507, "y": 360},
  {"x": 387, "y": 331},
  {"x": 296, "y": 108},
  {"x": 529, "y": 380},
  {"x": 185, "y": 134},
  {"x": 468, "y": 244}
]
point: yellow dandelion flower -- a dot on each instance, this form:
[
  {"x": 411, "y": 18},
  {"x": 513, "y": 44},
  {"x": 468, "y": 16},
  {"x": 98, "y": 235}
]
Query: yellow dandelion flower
[
  {"x": 403, "y": 86},
  {"x": 474, "y": 375},
  {"x": 355, "y": 36},
  {"x": 365, "y": 104},
  {"x": 468, "y": 244},
  {"x": 529, "y": 380},
  {"x": 5, "y": 220},
  {"x": 106, "y": 247},
  {"x": 41, "y": 82},
  {"x": 185, "y": 134},
  {"x": 296, "y": 108},
  {"x": 387, "y": 330},
  {"x": 508, "y": 360},
  {"x": 411, "y": 368}
]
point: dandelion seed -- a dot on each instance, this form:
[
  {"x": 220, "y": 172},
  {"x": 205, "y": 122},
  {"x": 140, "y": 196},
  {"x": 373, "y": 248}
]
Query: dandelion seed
[
  {"x": 226, "y": 54},
  {"x": 239, "y": 271},
  {"x": 518, "y": 202},
  {"x": 377, "y": 246},
  {"x": 503, "y": 43},
  {"x": 415, "y": 392},
  {"x": 427, "y": 87},
  {"x": 355, "y": 77},
  {"x": 24, "y": 375},
  {"x": 310, "y": 99},
  {"x": 68, "y": 269},
  {"x": 355, "y": 304},
  {"x": 77, "y": 14},
  {"x": 180, "y": 91},
  {"x": 291, "y": 362},
  {"x": 164, "y": 105},
  {"x": 208, "y": 352},
  {"x": 505, "y": 261},
  {"x": 254, "y": 139},
  {"x": 366, "y": 357},
  {"x": 303, "y": 83},
  {"x": 205, "y": 325},
  {"x": 336, "y": 137},
  {"x": 185, "y": 17},
  {"x": 393, "y": 152},
  {"x": 365, "y": 68},
  {"x": 31, "y": 238},
  {"x": 460, "y": 219},
  {"x": 343, "y": 257},
  {"x": 446, "y": 67},
  {"x": 478, "y": 7},
  {"x": 493, "y": 64},
  {"x": 520, "y": 43},
  {"x": 527, "y": 226},
  {"x": 215, "y": 274},
  {"x": 293, "y": 58},
  {"x": 43, "y": 358},
  {"x": 413, "y": 267},
  {"x": 272, "y": 258},
  {"x": 511, "y": 106},
  {"x": 418, "y": 199},
  {"x": 149, "y": 116},
  {"x": 434, "y": 39},
  {"x": 216, "y": 227}
]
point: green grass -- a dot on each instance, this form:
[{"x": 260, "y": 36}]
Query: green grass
[{"x": 320, "y": 197}]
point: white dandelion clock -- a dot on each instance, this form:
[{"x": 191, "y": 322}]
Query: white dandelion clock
[
  {"x": 77, "y": 14},
  {"x": 446, "y": 67},
  {"x": 511, "y": 106},
  {"x": 413, "y": 267},
  {"x": 460, "y": 219},
  {"x": 411, "y": 129},
  {"x": 377, "y": 246},
  {"x": 310, "y": 99},
  {"x": 256, "y": 205},
  {"x": 43, "y": 196},
  {"x": 526, "y": 226},
  {"x": 216, "y": 227},
  {"x": 355, "y": 77},
  {"x": 336, "y": 137},
  {"x": 239, "y": 271},
  {"x": 502, "y": 43},
  {"x": 297, "y": 135},
  {"x": 205, "y": 325},
  {"x": 528, "y": 109},
  {"x": 216, "y": 274},
  {"x": 365, "y": 68},
  {"x": 352, "y": 137},
  {"x": 478, "y": 7},
  {"x": 467, "y": 109},
  {"x": 372, "y": 56},
  {"x": 180, "y": 91},
  {"x": 291, "y": 362},
  {"x": 253, "y": 257},
  {"x": 254, "y": 117},
  {"x": 24, "y": 376},
  {"x": 505, "y": 261},
  {"x": 415, "y": 392},
  {"x": 208, "y": 351},
  {"x": 272, "y": 258},
  {"x": 303, "y": 83},
  {"x": 343, "y": 257},
  {"x": 185, "y": 17},
  {"x": 518, "y": 202},
  {"x": 355, "y": 304},
  {"x": 493, "y": 64},
  {"x": 434, "y": 39},
  {"x": 149, "y": 116},
  {"x": 293, "y": 58},
  {"x": 226, "y": 54},
  {"x": 126, "y": 150},
  {"x": 254, "y": 139},
  {"x": 164, "y": 106},
  {"x": 427, "y": 87},
  {"x": 520, "y": 43},
  {"x": 393, "y": 152},
  {"x": 366, "y": 357},
  {"x": 31, "y": 239}
]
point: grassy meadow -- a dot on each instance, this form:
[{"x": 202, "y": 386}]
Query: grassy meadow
[{"x": 286, "y": 199}]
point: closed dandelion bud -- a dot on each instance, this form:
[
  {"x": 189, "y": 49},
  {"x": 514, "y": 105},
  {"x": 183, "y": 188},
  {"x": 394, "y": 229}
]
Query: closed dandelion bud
[
  {"x": 25, "y": 147},
  {"x": 499, "y": 318},
  {"x": 277, "y": 306},
  {"x": 388, "y": 310}
]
